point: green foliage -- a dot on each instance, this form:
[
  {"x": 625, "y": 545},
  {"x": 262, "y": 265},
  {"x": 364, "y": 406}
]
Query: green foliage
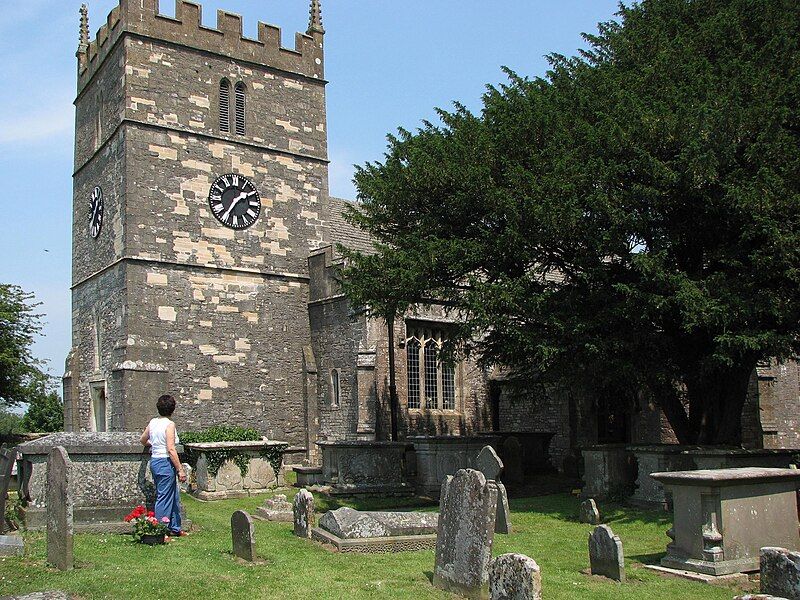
[
  {"x": 20, "y": 373},
  {"x": 15, "y": 511},
  {"x": 217, "y": 458},
  {"x": 630, "y": 221},
  {"x": 45, "y": 413},
  {"x": 10, "y": 422}
]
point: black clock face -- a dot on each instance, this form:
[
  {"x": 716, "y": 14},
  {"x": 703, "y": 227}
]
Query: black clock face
[
  {"x": 96, "y": 212},
  {"x": 235, "y": 202}
]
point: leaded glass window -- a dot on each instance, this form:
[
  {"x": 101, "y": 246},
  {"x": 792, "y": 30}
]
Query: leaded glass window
[{"x": 412, "y": 357}]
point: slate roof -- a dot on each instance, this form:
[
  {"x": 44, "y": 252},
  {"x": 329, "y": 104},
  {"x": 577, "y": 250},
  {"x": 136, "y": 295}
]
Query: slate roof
[{"x": 345, "y": 233}]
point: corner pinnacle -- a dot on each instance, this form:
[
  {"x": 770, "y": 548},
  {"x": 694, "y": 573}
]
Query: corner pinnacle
[
  {"x": 315, "y": 18},
  {"x": 83, "y": 40}
]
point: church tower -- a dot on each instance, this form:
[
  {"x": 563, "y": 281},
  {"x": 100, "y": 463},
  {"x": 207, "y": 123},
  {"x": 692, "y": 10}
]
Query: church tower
[{"x": 200, "y": 189}]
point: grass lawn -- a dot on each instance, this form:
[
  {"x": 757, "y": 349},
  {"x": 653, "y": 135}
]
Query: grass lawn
[{"x": 202, "y": 566}]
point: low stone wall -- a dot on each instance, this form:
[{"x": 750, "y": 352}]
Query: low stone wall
[
  {"x": 111, "y": 473},
  {"x": 364, "y": 467},
  {"x": 438, "y": 457},
  {"x": 228, "y": 482}
]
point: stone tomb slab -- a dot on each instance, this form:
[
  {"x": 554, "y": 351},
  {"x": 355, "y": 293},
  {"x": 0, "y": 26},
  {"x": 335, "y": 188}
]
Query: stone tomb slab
[
  {"x": 349, "y": 530},
  {"x": 277, "y": 509},
  {"x": 243, "y": 536},
  {"x": 605, "y": 554},
  {"x": 11, "y": 545},
  {"x": 60, "y": 525},
  {"x": 467, "y": 511},
  {"x": 723, "y": 517}
]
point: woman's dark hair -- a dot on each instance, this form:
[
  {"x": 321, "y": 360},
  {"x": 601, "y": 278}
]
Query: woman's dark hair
[{"x": 166, "y": 405}]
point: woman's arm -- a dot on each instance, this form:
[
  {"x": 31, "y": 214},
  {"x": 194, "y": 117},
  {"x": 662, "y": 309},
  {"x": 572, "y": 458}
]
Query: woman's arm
[
  {"x": 145, "y": 439},
  {"x": 173, "y": 454}
]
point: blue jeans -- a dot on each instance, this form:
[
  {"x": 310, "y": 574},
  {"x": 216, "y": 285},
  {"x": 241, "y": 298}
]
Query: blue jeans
[{"x": 168, "y": 497}]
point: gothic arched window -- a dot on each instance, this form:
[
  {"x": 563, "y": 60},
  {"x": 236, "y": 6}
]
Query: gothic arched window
[
  {"x": 225, "y": 106},
  {"x": 412, "y": 366},
  {"x": 336, "y": 393},
  {"x": 431, "y": 375},
  {"x": 240, "y": 108}
]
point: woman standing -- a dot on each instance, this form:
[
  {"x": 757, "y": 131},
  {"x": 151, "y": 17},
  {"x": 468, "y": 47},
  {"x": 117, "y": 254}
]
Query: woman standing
[{"x": 162, "y": 438}]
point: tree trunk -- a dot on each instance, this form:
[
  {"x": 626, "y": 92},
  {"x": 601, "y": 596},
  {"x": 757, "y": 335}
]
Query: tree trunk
[
  {"x": 716, "y": 400},
  {"x": 393, "y": 402}
]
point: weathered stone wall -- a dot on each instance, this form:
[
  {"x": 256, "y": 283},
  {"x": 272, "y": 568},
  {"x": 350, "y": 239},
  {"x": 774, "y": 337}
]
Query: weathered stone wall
[{"x": 778, "y": 386}]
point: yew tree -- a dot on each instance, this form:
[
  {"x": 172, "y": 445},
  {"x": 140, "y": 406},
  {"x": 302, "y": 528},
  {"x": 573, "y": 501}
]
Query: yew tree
[{"x": 632, "y": 218}]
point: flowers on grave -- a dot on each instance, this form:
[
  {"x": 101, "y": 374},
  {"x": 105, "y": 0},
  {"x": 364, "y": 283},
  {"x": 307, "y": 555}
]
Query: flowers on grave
[{"x": 145, "y": 524}]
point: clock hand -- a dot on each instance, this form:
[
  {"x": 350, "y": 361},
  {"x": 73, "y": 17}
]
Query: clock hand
[{"x": 235, "y": 201}]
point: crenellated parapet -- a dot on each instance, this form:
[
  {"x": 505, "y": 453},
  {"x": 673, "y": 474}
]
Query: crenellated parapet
[{"x": 141, "y": 18}]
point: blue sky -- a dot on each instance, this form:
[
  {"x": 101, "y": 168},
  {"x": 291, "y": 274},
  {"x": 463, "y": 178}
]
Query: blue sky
[{"x": 389, "y": 64}]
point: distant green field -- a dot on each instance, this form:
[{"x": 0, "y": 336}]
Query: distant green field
[{"x": 202, "y": 566}]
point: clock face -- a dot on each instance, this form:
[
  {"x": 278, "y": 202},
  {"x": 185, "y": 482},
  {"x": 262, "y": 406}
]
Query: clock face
[
  {"x": 235, "y": 202},
  {"x": 96, "y": 212}
]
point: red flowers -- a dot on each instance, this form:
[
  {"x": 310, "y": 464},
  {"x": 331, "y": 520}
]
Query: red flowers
[
  {"x": 145, "y": 523},
  {"x": 136, "y": 513}
]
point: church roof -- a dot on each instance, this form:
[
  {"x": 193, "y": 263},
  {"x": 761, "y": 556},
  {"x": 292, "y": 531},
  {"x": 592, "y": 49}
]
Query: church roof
[{"x": 345, "y": 233}]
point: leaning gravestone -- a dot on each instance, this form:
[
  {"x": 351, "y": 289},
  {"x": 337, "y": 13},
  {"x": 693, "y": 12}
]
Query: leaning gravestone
[
  {"x": 303, "y": 509},
  {"x": 605, "y": 554},
  {"x": 515, "y": 577},
  {"x": 467, "y": 510},
  {"x": 780, "y": 572},
  {"x": 589, "y": 512},
  {"x": 59, "y": 509},
  {"x": 489, "y": 463},
  {"x": 243, "y": 535}
]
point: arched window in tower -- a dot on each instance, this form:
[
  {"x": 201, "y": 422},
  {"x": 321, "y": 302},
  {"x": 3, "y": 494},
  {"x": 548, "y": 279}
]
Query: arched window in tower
[
  {"x": 240, "y": 112},
  {"x": 225, "y": 106},
  {"x": 412, "y": 366}
]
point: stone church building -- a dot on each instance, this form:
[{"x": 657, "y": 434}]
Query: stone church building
[{"x": 204, "y": 263}]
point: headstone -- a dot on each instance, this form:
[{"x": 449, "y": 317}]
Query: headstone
[
  {"x": 758, "y": 597},
  {"x": 513, "y": 472},
  {"x": 515, "y": 577},
  {"x": 303, "y": 509},
  {"x": 59, "y": 509},
  {"x": 605, "y": 554},
  {"x": 11, "y": 545},
  {"x": 7, "y": 459},
  {"x": 186, "y": 486},
  {"x": 489, "y": 463},
  {"x": 276, "y": 509},
  {"x": 243, "y": 535},
  {"x": 349, "y": 524},
  {"x": 589, "y": 512},
  {"x": 467, "y": 510},
  {"x": 780, "y": 572}
]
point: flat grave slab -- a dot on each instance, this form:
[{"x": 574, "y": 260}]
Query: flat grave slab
[{"x": 349, "y": 530}]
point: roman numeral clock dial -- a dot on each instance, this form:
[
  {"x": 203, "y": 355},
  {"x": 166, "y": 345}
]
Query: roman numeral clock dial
[
  {"x": 96, "y": 212},
  {"x": 234, "y": 201}
]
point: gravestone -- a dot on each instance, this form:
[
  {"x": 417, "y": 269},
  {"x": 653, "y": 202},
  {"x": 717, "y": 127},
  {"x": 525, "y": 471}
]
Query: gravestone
[
  {"x": 243, "y": 536},
  {"x": 186, "y": 486},
  {"x": 303, "y": 509},
  {"x": 348, "y": 523},
  {"x": 780, "y": 572},
  {"x": 605, "y": 554},
  {"x": 513, "y": 472},
  {"x": 276, "y": 509},
  {"x": 515, "y": 577},
  {"x": 489, "y": 463},
  {"x": 589, "y": 512},
  {"x": 59, "y": 509},
  {"x": 8, "y": 456},
  {"x": 467, "y": 510}
]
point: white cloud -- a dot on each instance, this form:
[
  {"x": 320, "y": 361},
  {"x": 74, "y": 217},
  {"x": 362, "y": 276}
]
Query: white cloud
[{"x": 41, "y": 125}]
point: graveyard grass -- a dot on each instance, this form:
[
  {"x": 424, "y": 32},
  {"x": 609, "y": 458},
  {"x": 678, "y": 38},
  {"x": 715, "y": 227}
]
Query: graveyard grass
[{"x": 202, "y": 565}]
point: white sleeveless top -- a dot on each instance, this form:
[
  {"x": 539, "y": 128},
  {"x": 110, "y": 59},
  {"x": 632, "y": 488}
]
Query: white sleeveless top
[{"x": 158, "y": 437}]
